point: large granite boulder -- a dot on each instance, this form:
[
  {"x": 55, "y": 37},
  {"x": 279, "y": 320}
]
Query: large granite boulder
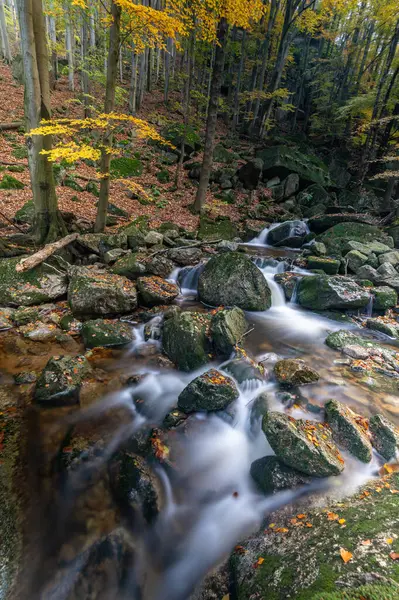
[
  {"x": 306, "y": 446},
  {"x": 227, "y": 328},
  {"x": 289, "y": 233},
  {"x": 60, "y": 380},
  {"x": 337, "y": 237},
  {"x": 155, "y": 291},
  {"x": 185, "y": 340},
  {"x": 321, "y": 292},
  {"x": 42, "y": 284},
  {"x": 349, "y": 430},
  {"x": 232, "y": 279},
  {"x": 104, "y": 333},
  {"x": 250, "y": 174},
  {"x": 283, "y": 160},
  {"x": 294, "y": 371},
  {"x": 208, "y": 392},
  {"x": 272, "y": 475},
  {"x": 101, "y": 293}
]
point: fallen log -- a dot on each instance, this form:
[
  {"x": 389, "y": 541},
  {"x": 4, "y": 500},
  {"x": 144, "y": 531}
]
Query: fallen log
[
  {"x": 35, "y": 259},
  {"x": 8, "y": 126}
]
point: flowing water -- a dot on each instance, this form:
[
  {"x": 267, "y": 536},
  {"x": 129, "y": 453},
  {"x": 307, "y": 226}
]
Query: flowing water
[{"x": 209, "y": 500}]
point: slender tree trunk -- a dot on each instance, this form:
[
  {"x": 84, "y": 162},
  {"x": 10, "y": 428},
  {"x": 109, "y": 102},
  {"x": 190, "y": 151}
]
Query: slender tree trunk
[
  {"x": 69, "y": 49},
  {"x": 168, "y": 52},
  {"x": 236, "y": 111},
  {"x": 5, "y": 46},
  {"x": 53, "y": 40},
  {"x": 186, "y": 109},
  {"x": 212, "y": 116},
  {"x": 133, "y": 85},
  {"x": 112, "y": 70},
  {"x": 48, "y": 224}
]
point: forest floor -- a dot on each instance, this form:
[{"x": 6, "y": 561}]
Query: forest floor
[{"x": 171, "y": 204}]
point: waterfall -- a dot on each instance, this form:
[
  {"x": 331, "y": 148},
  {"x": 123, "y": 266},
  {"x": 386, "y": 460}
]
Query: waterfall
[{"x": 269, "y": 268}]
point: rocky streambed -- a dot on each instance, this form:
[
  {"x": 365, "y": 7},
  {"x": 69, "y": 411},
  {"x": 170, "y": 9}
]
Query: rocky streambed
[{"x": 164, "y": 399}]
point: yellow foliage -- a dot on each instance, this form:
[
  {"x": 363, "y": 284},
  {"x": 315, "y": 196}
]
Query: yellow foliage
[{"x": 136, "y": 188}]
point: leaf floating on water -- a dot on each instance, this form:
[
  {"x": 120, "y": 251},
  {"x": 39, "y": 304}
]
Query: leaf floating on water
[{"x": 345, "y": 555}]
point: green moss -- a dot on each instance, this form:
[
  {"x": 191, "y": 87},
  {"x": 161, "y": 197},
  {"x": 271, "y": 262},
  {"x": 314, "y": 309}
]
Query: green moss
[
  {"x": 221, "y": 228},
  {"x": 337, "y": 237},
  {"x": 20, "y": 152},
  {"x": 16, "y": 168},
  {"x": 124, "y": 166},
  {"x": 73, "y": 184},
  {"x": 163, "y": 176},
  {"x": 365, "y": 592},
  {"x": 8, "y": 182}
]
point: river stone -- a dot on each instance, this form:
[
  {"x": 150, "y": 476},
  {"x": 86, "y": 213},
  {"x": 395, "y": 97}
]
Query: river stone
[
  {"x": 231, "y": 279},
  {"x": 288, "y": 281},
  {"x": 185, "y": 256},
  {"x": 24, "y": 316},
  {"x": 153, "y": 238},
  {"x": 227, "y": 329},
  {"x": 100, "y": 293},
  {"x": 368, "y": 272},
  {"x": 391, "y": 257},
  {"x": 153, "y": 329},
  {"x": 40, "y": 332},
  {"x": 272, "y": 475},
  {"x": 155, "y": 290},
  {"x": 321, "y": 292},
  {"x": 208, "y": 392},
  {"x": 384, "y": 436},
  {"x": 42, "y": 284},
  {"x": 244, "y": 371},
  {"x": 386, "y": 271},
  {"x": 185, "y": 340},
  {"x": 289, "y": 233},
  {"x": 391, "y": 329},
  {"x": 303, "y": 445},
  {"x": 60, "y": 380},
  {"x": 329, "y": 265},
  {"x": 104, "y": 333},
  {"x": 355, "y": 260},
  {"x": 349, "y": 430},
  {"x": 384, "y": 298},
  {"x": 293, "y": 371}
]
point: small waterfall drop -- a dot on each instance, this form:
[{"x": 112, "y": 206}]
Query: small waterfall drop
[{"x": 269, "y": 268}]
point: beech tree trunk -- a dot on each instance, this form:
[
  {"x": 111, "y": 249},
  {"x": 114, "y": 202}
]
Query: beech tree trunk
[
  {"x": 212, "y": 116},
  {"x": 112, "y": 71},
  {"x": 48, "y": 224},
  {"x": 5, "y": 46},
  {"x": 69, "y": 49}
]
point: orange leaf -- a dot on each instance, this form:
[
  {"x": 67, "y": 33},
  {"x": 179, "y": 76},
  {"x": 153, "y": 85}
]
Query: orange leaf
[
  {"x": 301, "y": 516},
  {"x": 309, "y": 525},
  {"x": 345, "y": 555},
  {"x": 366, "y": 543},
  {"x": 331, "y": 516},
  {"x": 394, "y": 555},
  {"x": 260, "y": 561}
]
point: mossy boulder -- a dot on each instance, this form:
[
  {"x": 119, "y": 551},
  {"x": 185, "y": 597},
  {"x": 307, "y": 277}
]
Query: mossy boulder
[
  {"x": 390, "y": 328},
  {"x": 384, "y": 298},
  {"x": 290, "y": 234},
  {"x": 272, "y": 475},
  {"x": 219, "y": 228},
  {"x": 186, "y": 340},
  {"x": 384, "y": 436},
  {"x": 208, "y": 392},
  {"x": 227, "y": 329},
  {"x": 155, "y": 290},
  {"x": 26, "y": 213},
  {"x": 60, "y": 380},
  {"x": 288, "y": 281},
  {"x": 131, "y": 265},
  {"x": 124, "y": 166},
  {"x": 337, "y": 237},
  {"x": 349, "y": 430},
  {"x": 42, "y": 284},
  {"x": 231, "y": 279},
  {"x": 321, "y": 292},
  {"x": 283, "y": 160},
  {"x": 23, "y": 316},
  {"x": 330, "y": 266},
  {"x": 294, "y": 371},
  {"x": 185, "y": 256},
  {"x": 244, "y": 371},
  {"x": 101, "y": 293},
  {"x": 305, "y": 563},
  {"x": 104, "y": 333},
  {"x": 8, "y": 182},
  {"x": 303, "y": 445},
  {"x": 223, "y": 155},
  {"x": 355, "y": 260}
]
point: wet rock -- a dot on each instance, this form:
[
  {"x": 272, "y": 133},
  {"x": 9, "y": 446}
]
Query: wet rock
[
  {"x": 384, "y": 298},
  {"x": 389, "y": 328},
  {"x": 288, "y": 281},
  {"x": 95, "y": 293},
  {"x": 328, "y": 265},
  {"x": 106, "y": 333},
  {"x": 231, "y": 279},
  {"x": 272, "y": 475},
  {"x": 290, "y": 234},
  {"x": 227, "y": 328},
  {"x": 384, "y": 436},
  {"x": 36, "y": 286},
  {"x": 349, "y": 430},
  {"x": 60, "y": 380},
  {"x": 244, "y": 371},
  {"x": 250, "y": 174},
  {"x": 40, "y": 332},
  {"x": 23, "y": 316},
  {"x": 135, "y": 485},
  {"x": 153, "y": 329},
  {"x": 155, "y": 290},
  {"x": 5, "y": 320},
  {"x": 185, "y": 256},
  {"x": 294, "y": 372},
  {"x": 153, "y": 238},
  {"x": 355, "y": 260},
  {"x": 25, "y": 377},
  {"x": 321, "y": 292},
  {"x": 303, "y": 445},
  {"x": 208, "y": 392},
  {"x": 185, "y": 340}
]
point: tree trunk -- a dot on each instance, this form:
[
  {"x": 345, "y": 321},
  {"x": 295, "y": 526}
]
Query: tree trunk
[
  {"x": 133, "y": 85},
  {"x": 53, "y": 40},
  {"x": 5, "y": 46},
  {"x": 186, "y": 105},
  {"x": 236, "y": 111},
  {"x": 212, "y": 116},
  {"x": 69, "y": 49},
  {"x": 84, "y": 68},
  {"x": 48, "y": 224},
  {"x": 112, "y": 71}
]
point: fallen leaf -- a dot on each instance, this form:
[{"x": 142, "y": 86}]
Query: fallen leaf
[
  {"x": 345, "y": 555},
  {"x": 366, "y": 543},
  {"x": 341, "y": 521},
  {"x": 394, "y": 555},
  {"x": 309, "y": 525},
  {"x": 272, "y": 525},
  {"x": 260, "y": 561},
  {"x": 301, "y": 516},
  {"x": 226, "y": 597},
  {"x": 389, "y": 540},
  {"x": 331, "y": 516}
]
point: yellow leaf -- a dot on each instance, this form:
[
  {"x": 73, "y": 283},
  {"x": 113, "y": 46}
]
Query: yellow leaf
[
  {"x": 260, "y": 561},
  {"x": 341, "y": 521},
  {"x": 272, "y": 525},
  {"x": 345, "y": 555},
  {"x": 389, "y": 540}
]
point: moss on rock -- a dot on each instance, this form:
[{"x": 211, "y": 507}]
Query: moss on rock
[
  {"x": 106, "y": 333},
  {"x": 99, "y": 293},
  {"x": 60, "y": 380},
  {"x": 321, "y": 292},
  {"x": 208, "y": 392},
  {"x": 349, "y": 430},
  {"x": 227, "y": 328},
  {"x": 186, "y": 340}
]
